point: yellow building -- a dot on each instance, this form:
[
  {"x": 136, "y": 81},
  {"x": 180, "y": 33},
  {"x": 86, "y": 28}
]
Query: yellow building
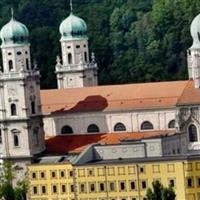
[{"x": 112, "y": 180}]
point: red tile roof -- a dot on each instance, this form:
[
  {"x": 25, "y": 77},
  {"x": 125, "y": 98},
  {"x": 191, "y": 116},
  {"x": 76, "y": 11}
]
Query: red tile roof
[
  {"x": 123, "y": 97},
  {"x": 77, "y": 143}
]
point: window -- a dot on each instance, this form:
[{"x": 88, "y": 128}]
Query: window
[
  {"x": 93, "y": 128},
  {"x": 53, "y": 174},
  {"x": 77, "y": 46},
  {"x": 13, "y": 109},
  {"x": 42, "y": 175},
  {"x": 35, "y": 191},
  {"x": 144, "y": 185},
  {"x": 16, "y": 140},
  {"x": 171, "y": 124},
  {"x": 0, "y": 137},
  {"x": 70, "y": 173},
  {"x": 119, "y": 127},
  {"x": 72, "y": 188},
  {"x": 132, "y": 185},
  {"x": 189, "y": 182},
  {"x": 82, "y": 187},
  {"x": 198, "y": 181},
  {"x": 63, "y": 188},
  {"x": 54, "y": 189},
  {"x": 15, "y": 133},
  {"x": 27, "y": 63},
  {"x": 146, "y": 125},
  {"x": 69, "y": 58},
  {"x": 112, "y": 186},
  {"x": 62, "y": 174},
  {"x": 193, "y": 133},
  {"x": 43, "y": 189},
  {"x": 33, "y": 107},
  {"x": 92, "y": 187},
  {"x": 33, "y": 175},
  {"x": 10, "y": 65},
  {"x": 122, "y": 186},
  {"x": 101, "y": 187},
  {"x": 141, "y": 169},
  {"x": 66, "y": 130},
  {"x": 85, "y": 56},
  {"x": 172, "y": 182}
]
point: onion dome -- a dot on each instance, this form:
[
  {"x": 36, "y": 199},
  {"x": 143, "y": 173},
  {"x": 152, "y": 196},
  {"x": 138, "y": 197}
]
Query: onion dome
[
  {"x": 73, "y": 28},
  {"x": 195, "y": 32},
  {"x": 14, "y": 33}
]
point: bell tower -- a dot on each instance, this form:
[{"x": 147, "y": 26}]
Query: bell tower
[
  {"x": 193, "y": 53},
  {"x": 77, "y": 69},
  {"x": 21, "y": 126}
]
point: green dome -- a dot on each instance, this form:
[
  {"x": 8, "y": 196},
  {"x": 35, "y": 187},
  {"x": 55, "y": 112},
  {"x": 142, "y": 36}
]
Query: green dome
[
  {"x": 195, "y": 32},
  {"x": 73, "y": 27},
  {"x": 14, "y": 33}
]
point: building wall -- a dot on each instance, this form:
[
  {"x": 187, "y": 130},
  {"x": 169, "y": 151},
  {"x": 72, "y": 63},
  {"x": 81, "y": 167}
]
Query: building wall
[
  {"x": 107, "y": 120},
  {"x": 116, "y": 173}
]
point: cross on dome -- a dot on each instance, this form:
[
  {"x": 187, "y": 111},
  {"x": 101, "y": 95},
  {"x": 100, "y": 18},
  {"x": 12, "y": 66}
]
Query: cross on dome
[
  {"x": 12, "y": 13},
  {"x": 71, "y": 6}
]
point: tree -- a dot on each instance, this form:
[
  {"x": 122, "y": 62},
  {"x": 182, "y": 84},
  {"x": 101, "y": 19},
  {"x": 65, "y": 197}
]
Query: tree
[
  {"x": 159, "y": 192},
  {"x": 7, "y": 190}
]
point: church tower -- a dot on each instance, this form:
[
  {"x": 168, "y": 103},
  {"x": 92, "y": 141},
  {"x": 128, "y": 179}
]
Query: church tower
[
  {"x": 194, "y": 53},
  {"x": 76, "y": 69},
  {"x": 21, "y": 126}
]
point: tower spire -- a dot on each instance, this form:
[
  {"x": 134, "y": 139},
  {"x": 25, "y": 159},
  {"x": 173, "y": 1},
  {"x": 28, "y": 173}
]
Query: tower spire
[{"x": 71, "y": 6}]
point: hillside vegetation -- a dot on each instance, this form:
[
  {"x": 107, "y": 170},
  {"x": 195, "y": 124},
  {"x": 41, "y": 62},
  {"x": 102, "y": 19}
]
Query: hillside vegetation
[{"x": 134, "y": 40}]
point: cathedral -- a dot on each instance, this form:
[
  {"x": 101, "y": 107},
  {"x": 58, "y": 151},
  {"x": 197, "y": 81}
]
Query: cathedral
[{"x": 35, "y": 123}]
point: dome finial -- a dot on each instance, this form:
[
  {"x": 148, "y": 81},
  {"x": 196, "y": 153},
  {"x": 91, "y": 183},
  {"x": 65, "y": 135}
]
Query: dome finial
[
  {"x": 12, "y": 13},
  {"x": 71, "y": 6}
]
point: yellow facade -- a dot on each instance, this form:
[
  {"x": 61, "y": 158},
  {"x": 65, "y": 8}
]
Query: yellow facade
[{"x": 112, "y": 181}]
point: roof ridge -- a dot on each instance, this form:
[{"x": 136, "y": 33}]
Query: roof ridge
[{"x": 178, "y": 101}]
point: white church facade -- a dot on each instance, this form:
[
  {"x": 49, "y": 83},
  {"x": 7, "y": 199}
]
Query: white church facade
[{"x": 79, "y": 106}]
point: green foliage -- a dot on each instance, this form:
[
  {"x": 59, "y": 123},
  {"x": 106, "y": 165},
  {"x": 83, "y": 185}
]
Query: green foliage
[
  {"x": 7, "y": 190},
  {"x": 134, "y": 41},
  {"x": 160, "y": 193}
]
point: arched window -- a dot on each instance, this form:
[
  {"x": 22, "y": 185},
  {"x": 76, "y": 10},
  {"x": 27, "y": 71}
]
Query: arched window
[
  {"x": 69, "y": 58},
  {"x": 36, "y": 136},
  {"x": 27, "y": 63},
  {"x": 10, "y": 64},
  {"x": 93, "y": 128},
  {"x": 16, "y": 140},
  {"x": 13, "y": 109},
  {"x": 119, "y": 127},
  {"x": 193, "y": 133},
  {"x": 146, "y": 125},
  {"x": 85, "y": 55},
  {"x": 33, "y": 107},
  {"x": 15, "y": 133},
  {"x": 66, "y": 130},
  {"x": 171, "y": 124}
]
